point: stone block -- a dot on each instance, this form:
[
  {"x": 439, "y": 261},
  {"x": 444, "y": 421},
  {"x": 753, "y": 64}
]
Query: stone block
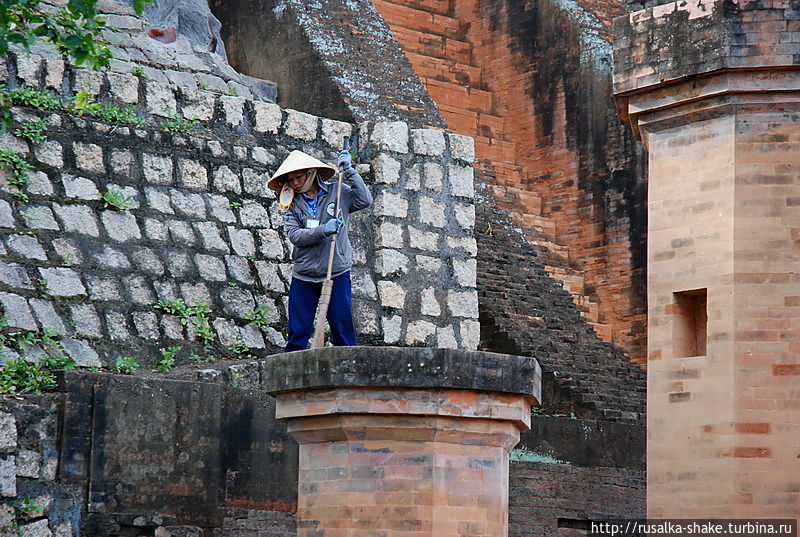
[
  {"x": 423, "y": 240},
  {"x": 62, "y": 282},
  {"x": 237, "y": 302},
  {"x": 36, "y": 216},
  {"x": 255, "y": 183},
  {"x": 14, "y": 275},
  {"x": 47, "y": 316},
  {"x": 210, "y": 268},
  {"x": 389, "y": 261},
  {"x": 431, "y": 212},
  {"x": 427, "y": 142},
  {"x": 262, "y": 156},
  {"x": 26, "y": 247},
  {"x": 178, "y": 264},
  {"x": 156, "y": 230},
  {"x": 333, "y": 132},
  {"x": 17, "y": 312},
  {"x": 220, "y": 208},
  {"x": 158, "y": 199},
  {"x": 463, "y": 244},
  {"x": 392, "y": 295},
  {"x": 210, "y": 236},
  {"x": 181, "y": 232},
  {"x": 124, "y": 87},
  {"x": 301, "y": 125},
  {"x": 79, "y": 187},
  {"x": 239, "y": 269},
  {"x": 195, "y": 293},
  {"x": 465, "y": 272},
  {"x": 270, "y": 244},
  {"x": 363, "y": 285},
  {"x": 122, "y": 163},
  {"x": 189, "y": 204},
  {"x": 77, "y": 219},
  {"x": 85, "y": 320},
  {"x": 419, "y": 332},
  {"x": 227, "y": 181},
  {"x": 28, "y": 68},
  {"x": 268, "y": 117},
  {"x": 139, "y": 290},
  {"x": 51, "y": 153},
  {"x": 8, "y": 476},
  {"x": 7, "y": 215},
  {"x": 391, "y": 136},
  {"x": 89, "y": 157},
  {"x": 198, "y": 105},
  {"x": 429, "y": 304},
  {"x": 463, "y": 303},
  {"x": 160, "y": 99},
  {"x": 232, "y": 110},
  {"x": 461, "y": 181},
  {"x": 433, "y": 176},
  {"x": 366, "y": 317},
  {"x": 8, "y": 432},
  {"x": 120, "y": 226},
  {"x": 110, "y": 258},
  {"x": 461, "y": 147},
  {"x": 446, "y": 338},
  {"x": 253, "y": 214},
  {"x": 88, "y": 80},
  {"x": 389, "y": 235},
  {"x": 101, "y": 288},
  {"x": 28, "y": 463},
  {"x": 392, "y": 327},
  {"x": 465, "y": 216},
  {"x": 269, "y": 275},
  {"x": 146, "y": 324},
  {"x": 81, "y": 352},
  {"x": 390, "y": 204},
  {"x": 470, "y": 334},
  {"x": 157, "y": 169},
  {"x": 117, "y": 323},
  {"x": 242, "y": 241},
  {"x": 192, "y": 174},
  {"x": 387, "y": 169}
]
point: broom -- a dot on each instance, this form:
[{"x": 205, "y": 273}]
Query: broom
[{"x": 327, "y": 286}]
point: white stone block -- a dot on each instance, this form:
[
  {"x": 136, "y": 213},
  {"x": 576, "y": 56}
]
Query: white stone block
[{"x": 392, "y": 295}]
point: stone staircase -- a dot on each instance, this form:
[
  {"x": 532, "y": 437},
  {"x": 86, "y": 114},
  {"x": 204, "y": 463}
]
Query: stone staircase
[{"x": 436, "y": 43}]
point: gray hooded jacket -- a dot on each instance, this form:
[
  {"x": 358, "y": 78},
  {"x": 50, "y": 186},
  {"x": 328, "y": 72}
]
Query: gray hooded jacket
[{"x": 311, "y": 246}]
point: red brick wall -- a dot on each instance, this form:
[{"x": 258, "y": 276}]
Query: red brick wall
[{"x": 511, "y": 76}]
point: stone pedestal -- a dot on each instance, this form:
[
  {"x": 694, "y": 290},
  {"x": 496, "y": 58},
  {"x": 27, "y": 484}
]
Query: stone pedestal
[
  {"x": 713, "y": 90},
  {"x": 394, "y": 441}
]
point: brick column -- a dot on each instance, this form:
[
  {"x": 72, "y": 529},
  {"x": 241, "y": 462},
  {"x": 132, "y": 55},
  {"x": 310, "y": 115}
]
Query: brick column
[
  {"x": 403, "y": 440},
  {"x": 713, "y": 90}
]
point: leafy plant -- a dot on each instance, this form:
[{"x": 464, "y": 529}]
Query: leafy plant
[
  {"x": 198, "y": 360},
  {"x": 139, "y": 73},
  {"x": 196, "y": 314},
  {"x": 178, "y": 123},
  {"x": 257, "y": 316},
  {"x": 126, "y": 365},
  {"x": 236, "y": 376},
  {"x": 239, "y": 349},
  {"x": 19, "y": 376},
  {"x": 33, "y": 131},
  {"x": 235, "y": 205},
  {"x": 30, "y": 509},
  {"x": 18, "y": 166},
  {"x": 167, "y": 361},
  {"x": 233, "y": 284},
  {"x": 116, "y": 200}
]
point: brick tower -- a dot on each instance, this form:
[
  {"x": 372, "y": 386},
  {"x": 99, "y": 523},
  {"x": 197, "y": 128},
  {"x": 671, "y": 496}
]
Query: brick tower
[{"x": 712, "y": 88}]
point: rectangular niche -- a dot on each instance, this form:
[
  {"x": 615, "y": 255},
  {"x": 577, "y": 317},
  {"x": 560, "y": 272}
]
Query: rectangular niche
[{"x": 690, "y": 323}]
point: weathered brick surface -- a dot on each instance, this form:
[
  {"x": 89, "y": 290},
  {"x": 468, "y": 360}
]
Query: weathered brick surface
[
  {"x": 724, "y": 371},
  {"x": 537, "y": 100},
  {"x": 525, "y": 311}
]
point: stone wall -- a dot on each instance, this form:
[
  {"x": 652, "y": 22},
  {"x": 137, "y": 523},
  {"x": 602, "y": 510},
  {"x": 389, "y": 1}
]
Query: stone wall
[{"x": 204, "y": 228}]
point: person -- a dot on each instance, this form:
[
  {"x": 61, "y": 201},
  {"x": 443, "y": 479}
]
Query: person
[{"x": 309, "y": 203}]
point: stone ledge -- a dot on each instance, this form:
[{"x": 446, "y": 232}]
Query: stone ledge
[{"x": 412, "y": 367}]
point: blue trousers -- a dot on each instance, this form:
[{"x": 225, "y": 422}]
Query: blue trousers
[{"x": 303, "y": 301}]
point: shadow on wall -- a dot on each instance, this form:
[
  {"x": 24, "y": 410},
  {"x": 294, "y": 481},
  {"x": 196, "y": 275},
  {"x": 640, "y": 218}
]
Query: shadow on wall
[{"x": 261, "y": 44}]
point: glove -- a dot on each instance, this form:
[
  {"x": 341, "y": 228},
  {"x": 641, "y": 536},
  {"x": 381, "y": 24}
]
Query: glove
[
  {"x": 332, "y": 226},
  {"x": 345, "y": 160}
]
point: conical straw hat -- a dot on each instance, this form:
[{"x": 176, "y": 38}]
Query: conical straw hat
[{"x": 297, "y": 160}]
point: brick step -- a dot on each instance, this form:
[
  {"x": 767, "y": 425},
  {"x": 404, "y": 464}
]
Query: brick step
[
  {"x": 459, "y": 96},
  {"x": 444, "y": 69},
  {"x": 431, "y": 45},
  {"x": 468, "y": 122},
  {"x": 442, "y": 7},
  {"x": 495, "y": 150},
  {"x": 413, "y": 18}
]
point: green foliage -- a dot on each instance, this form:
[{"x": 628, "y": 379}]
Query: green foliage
[
  {"x": 167, "y": 361},
  {"x": 20, "y": 376},
  {"x": 537, "y": 410},
  {"x": 116, "y": 200},
  {"x": 198, "y": 360},
  {"x": 18, "y": 166},
  {"x": 235, "y": 205},
  {"x": 74, "y": 29},
  {"x": 233, "y": 284},
  {"x": 126, "y": 365},
  {"x": 33, "y": 131},
  {"x": 139, "y": 73},
  {"x": 30, "y": 509},
  {"x": 239, "y": 349},
  {"x": 178, "y": 123},
  {"x": 196, "y": 314},
  {"x": 257, "y": 316},
  {"x": 236, "y": 376}
]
